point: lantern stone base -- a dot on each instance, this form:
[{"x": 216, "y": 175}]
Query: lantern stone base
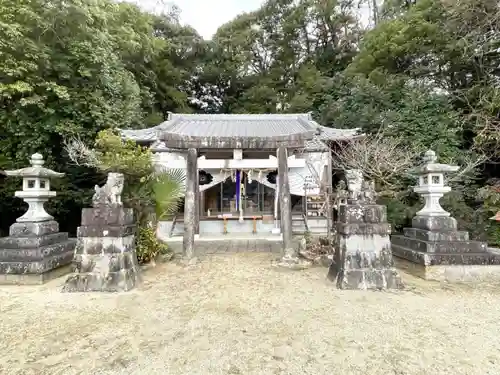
[
  {"x": 363, "y": 259},
  {"x": 34, "y": 253},
  {"x": 105, "y": 259},
  {"x": 450, "y": 273},
  {"x": 443, "y": 253}
]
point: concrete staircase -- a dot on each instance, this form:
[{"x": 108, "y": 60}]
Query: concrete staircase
[
  {"x": 316, "y": 225},
  {"x": 299, "y": 225}
]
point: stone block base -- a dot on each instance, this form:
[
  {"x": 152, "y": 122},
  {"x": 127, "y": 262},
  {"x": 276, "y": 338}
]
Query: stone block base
[
  {"x": 104, "y": 273},
  {"x": 363, "y": 258},
  {"x": 226, "y": 245},
  {"x": 434, "y": 250},
  {"x": 121, "y": 281},
  {"x": 438, "y": 247},
  {"x": 33, "y": 229},
  {"x": 35, "y": 265},
  {"x": 366, "y": 279},
  {"x": 434, "y": 223},
  {"x": 33, "y": 278},
  {"x": 105, "y": 258},
  {"x": 450, "y": 273},
  {"x": 106, "y": 264},
  {"x": 484, "y": 258}
]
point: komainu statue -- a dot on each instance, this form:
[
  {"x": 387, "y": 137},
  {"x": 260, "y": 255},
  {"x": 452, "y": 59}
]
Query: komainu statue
[
  {"x": 369, "y": 193},
  {"x": 354, "y": 179},
  {"x": 110, "y": 193}
]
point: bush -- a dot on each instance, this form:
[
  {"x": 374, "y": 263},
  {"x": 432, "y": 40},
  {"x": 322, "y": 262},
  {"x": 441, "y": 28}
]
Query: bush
[
  {"x": 490, "y": 197},
  {"x": 148, "y": 247}
]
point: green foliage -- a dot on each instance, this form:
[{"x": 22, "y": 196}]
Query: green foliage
[
  {"x": 168, "y": 188},
  {"x": 401, "y": 208},
  {"x": 148, "y": 248},
  {"x": 490, "y": 197},
  {"x": 450, "y": 46},
  {"x": 277, "y": 58},
  {"x": 73, "y": 68},
  {"x": 60, "y": 75},
  {"x": 396, "y": 106},
  {"x": 308, "y": 237},
  {"x": 113, "y": 154},
  {"x": 147, "y": 191}
]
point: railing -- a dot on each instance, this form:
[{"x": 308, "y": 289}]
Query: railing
[{"x": 304, "y": 216}]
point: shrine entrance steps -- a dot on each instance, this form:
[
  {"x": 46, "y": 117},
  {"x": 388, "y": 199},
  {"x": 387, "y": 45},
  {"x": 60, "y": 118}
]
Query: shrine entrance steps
[{"x": 228, "y": 243}]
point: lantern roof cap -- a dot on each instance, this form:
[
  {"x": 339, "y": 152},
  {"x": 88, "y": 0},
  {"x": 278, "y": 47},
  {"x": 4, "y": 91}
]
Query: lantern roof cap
[
  {"x": 36, "y": 169},
  {"x": 430, "y": 165}
]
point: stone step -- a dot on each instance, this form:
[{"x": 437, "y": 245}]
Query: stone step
[
  {"x": 29, "y": 242},
  {"x": 439, "y": 246},
  {"x": 36, "y": 263},
  {"x": 230, "y": 245},
  {"x": 426, "y": 235},
  {"x": 383, "y": 229},
  {"x": 434, "y": 259},
  {"x": 36, "y": 254}
]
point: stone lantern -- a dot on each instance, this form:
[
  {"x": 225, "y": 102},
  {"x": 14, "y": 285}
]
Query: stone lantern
[
  {"x": 36, "y": 189},
  {"x": 35, "y": 251},
  {"x": 431, "y": 184},
  {"x": 433, "y": 248}
]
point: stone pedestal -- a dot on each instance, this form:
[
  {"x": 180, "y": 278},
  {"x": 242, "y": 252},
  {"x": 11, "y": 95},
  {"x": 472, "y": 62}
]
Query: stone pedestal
[
  {"x": 105, "y": 259},
  {"x": 34, "y": 252},
  {"x": 434, "y": 249},
  {"x": 363, "y": 257}
]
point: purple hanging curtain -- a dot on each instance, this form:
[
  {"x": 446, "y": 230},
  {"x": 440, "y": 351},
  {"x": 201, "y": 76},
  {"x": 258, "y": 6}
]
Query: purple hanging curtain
[{"x": 238, "y": 189}]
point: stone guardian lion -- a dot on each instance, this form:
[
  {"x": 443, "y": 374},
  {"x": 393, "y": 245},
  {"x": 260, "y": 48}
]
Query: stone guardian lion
[{"x": 110, "y": 193}]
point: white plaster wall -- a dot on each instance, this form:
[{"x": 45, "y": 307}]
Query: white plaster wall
[{"x": 312, "y": 171}]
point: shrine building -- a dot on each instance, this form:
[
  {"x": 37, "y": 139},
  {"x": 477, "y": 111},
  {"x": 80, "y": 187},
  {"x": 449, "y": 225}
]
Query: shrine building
[{"x": 245, "y": 174}]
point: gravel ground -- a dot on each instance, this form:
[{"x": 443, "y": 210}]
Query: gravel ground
[{"x": 235, "y": 314}]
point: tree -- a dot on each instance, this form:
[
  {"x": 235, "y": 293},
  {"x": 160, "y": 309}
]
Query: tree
[
  {"x": 272, "y": 59},
  {"x": 396, "y": 106},
  {"x": 74, "y": 68},
  {"x": 452, "y": 47}
]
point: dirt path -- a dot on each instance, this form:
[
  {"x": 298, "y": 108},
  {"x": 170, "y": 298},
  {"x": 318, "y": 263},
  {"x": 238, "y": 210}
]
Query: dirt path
[{"x": 234, "y": 314}]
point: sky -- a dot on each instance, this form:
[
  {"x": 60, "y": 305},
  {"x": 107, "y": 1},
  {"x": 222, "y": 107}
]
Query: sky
[{"x": 206, "y": 16}]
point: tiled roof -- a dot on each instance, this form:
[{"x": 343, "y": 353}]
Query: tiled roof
[
  {"x": 239, "y": 125},
  {"x": 236, "y": 125},
  {"x": 315, "y": 145},
  {"x": 333, "y": 134},
  {"x": 142, "y": 135}
]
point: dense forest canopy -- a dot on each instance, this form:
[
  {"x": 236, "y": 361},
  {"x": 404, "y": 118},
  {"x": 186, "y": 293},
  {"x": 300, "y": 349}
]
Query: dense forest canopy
[{"x": 427, "y": 71}]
